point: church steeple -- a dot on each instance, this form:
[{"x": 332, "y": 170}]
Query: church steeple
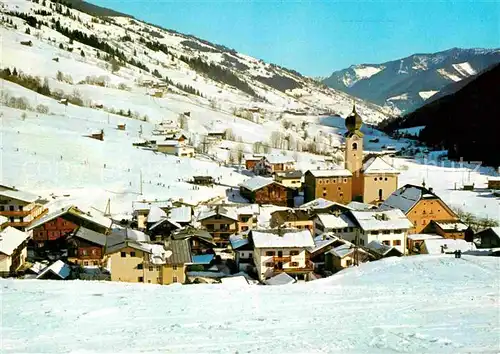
[{"x": 353, "y": 122}]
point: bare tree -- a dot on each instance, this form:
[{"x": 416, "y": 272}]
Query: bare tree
[{"x": 240, "y": 151}]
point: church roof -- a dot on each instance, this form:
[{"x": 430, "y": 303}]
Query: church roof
[
  {"x": 353, "y": 123},
  {"x": 378, "y": 165}
]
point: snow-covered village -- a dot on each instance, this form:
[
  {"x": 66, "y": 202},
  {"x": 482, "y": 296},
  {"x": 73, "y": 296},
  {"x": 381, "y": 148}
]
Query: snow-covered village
[{"x": 162, "y": 193}]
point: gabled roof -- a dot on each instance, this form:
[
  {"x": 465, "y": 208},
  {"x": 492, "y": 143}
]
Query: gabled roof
[
  {"x": 190, "y": 232},
  {"x": 163, "y": 221},
  {"x": 377, "y": 165},
  {"x": 58, "y": 268},
  {"x": 98, "y": 238},
  {"x": 19, "y": 195},
  {"x": 171, "y": 252},
  {"x": 433, "y": 246},
  {"x": 227, "y": 212},
  {"x": 129, "y": 234},
  {"x": 77, "y": 216},
  {"x": 277, "y": 159},
  {"x": 167, "y": 143},
  {"x": 406, "y": 197},
  {"x": 280, "y": 279},
  {"x": 290, "y": 215},
  {"x": 421, "y": 237},
  {"x": 493, "y": 230},
  {"x": 155, "y": 214},
  {"x": 203, "y": 258},
  {"x": 345, "y": 250},
  {"x": 180, "y": 214},
  {"x": 10, "y": 239},
  {"x": 338, "y": 172},
  {"x": 381, "y": 249},
  {"x": 450, "y": 225},
  {"x": 290, "y": 174},
  {"x": 322, "y": 241},
  {"x": 392, "y": 219},
  {"x": 256, "y": 183},
  {"x": 331, "y": 221},
  {"x": 281, "y": 238},
  {"x": 146, "y": 205},
  {"x": 321, "y": 203}
]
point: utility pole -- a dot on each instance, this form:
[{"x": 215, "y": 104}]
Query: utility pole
[
  {"x": 140, "y": 182},
  {"x": 107, "y": 211}
]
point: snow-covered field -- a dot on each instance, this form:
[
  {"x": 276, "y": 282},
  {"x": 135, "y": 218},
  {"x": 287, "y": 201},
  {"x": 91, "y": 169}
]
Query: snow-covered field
[{"x": 419, "y": 304}]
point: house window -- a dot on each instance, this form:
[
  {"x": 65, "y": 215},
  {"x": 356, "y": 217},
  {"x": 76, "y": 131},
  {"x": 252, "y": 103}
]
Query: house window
[
  {"x": 386, "y": 232},
  {"x": 244, "y": 228},
  {"x": 334, "y": 180},
  {"x": 294, "y": 264},
  {"x": 84, "y": 252},
  {"x": 396, "y": 242},
  {"x": 174, "y": 279},
  {"x": 269, "y": 264},
  {"x": 345, "y": 180},
  {"x": 386, "y": 242},
  {"x": 385, "y": 179},
  {"x": 157, "y": 268},
  {"x": 373, "y": 232},
  {"x": 294, "y": 253},
  {"x": 380, "y": 192},
  {"x": 320, "y": 181},
  {"x": 2, "y": 208},
  {"x": 123, "y": 254},
  {"x": 140, "y": 279},
  {"x": 11, "y": 208},
  {"x": 11, "y": 219},
  {"x": 158, "y": 280},
  {"x": 348, "y": 263},
  {"x": 132, "y": 254},
  {"x": 362, "y": 242},
  {"x": 174, "y": 267},
  {"x": 85, "y": 263},
  {"x": 94, "y": 252},
  {"x": 149, "y": 281},
  {"x": 20, "y": 208},
  {"x": 327, "y": 181},
  {"x": 140, "y": 266},
  {"x": 151, "y": 268},
  {"x": 210, "y": 227},
  {"x": 269, "y": 253},
  {"x": 95, "y": 263},
  {"x": 375, "y": 179}
]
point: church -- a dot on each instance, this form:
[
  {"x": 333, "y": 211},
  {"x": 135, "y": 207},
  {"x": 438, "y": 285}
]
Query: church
[{"x": 366, "y": 178}]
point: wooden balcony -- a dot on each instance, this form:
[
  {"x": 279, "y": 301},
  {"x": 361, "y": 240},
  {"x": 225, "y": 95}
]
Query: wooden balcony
[
  {"x": 16, "y": 214},
  {"x": 309, "y": 267},
  {"x": 282, "y": 259}
]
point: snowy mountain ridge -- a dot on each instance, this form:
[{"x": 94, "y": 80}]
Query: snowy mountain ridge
[{"x": 411, "y": 77}]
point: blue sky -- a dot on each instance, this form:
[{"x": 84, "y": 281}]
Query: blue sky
[{"x": 317, "y": 37}]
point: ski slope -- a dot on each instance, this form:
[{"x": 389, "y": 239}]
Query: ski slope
[{"x": 419, "y": 304}]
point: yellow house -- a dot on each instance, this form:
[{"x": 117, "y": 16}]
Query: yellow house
[
  {"x": 138, "y": 262},
  {"x": 19, "y": 207},
  {"x": 12, "y": 250},
  {"x": 292, "y": 218},
  {"x": 290, "y": 179}
]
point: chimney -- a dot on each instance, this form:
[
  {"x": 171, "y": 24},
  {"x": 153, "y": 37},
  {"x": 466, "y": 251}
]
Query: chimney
[{"x": 430, "y": 189}]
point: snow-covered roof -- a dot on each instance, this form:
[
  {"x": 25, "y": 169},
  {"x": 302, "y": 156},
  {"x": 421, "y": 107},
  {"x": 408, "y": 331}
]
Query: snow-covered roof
[
  {"x": 37, "y": 267},
  {"x": 165, "y": 220},
  {"x": 285, "y": 238},
  {"x": 277, "y": 159},
  {"x": 19, "y": 195},
  {"x": 3, "y": 220},
  {"x": 456, "y": 226},
  {"x": 280, "y": 279},
  {"x": 59, "y": 268},
  {"x": 361, "y": 206},
  {"x": 337, "y": 172},
  {"x": 239, "y": 240},
  {"x": 421, "y": 237},
  {"x": 393, "y": 219},
  {"x": 344, "y": 250},
  {"x": 130, "y": 234},
  {"x": 378, "y": 247},
  {"x": 10, "y": 239},
  {"x": 331, "y": 221},
  {"x": 94, "y": 217},
  {"x": 290, "y": 174},
  {"x": 146, "y": 205},
  {"x": 494, "y": 178},
  {"x": 406, "y": 197},
  {"x": 323, "y": 241},
  {"x": 228, "y": 212},
  {"x": 156, "y": 214},
  {"x": 167, "y": 143},
  {"x": 180, "y": 214},
  {"x": 322, "y": 203},
  {"x": 433, "y": 246},
  {"x": 377, "y": 165},
  {"x": 256, "y": 183},
  {"x": 250, "y": 209}
]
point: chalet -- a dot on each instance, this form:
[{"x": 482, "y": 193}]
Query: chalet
[
  {"x": 380, "y": 250},
  {"x": 56, "y": 271},
  {"x": 97, "y": 135},
  {"x": 252, "y": 160},
  {"x": 488, "y": 238},
  {"x": 290, "y": 179},
  {"x": 344, "y": 256},
  {"x": 175, "y": 145},
  {"x": 50, "y": 231},
  {"x": 243, "y": 249},
  {"x": 163, "y": 228},
  {"x": 216, "y": 135},
  {"x": 13, "y": 251},
  {"x": 183, "y": 214},
  {"x": 221, "y": 222},
  {"x": 141, "y": 210},
  {"x": 278, "y": 251},
  {"x": 415, "y": 241},
  {"x": 270, "y": 164},
  {"x": 203, "y": 180},
  {"x": 200, "y": 241},
  {"x": 421, "y": 205},
  {"x": 321, "y": 205},
  {"x": 121, "y": 126},
  {"x": 139, "y": 262},
  {"x": 494, "y": 183},
  {"x": 389, "y": 227},
  {"x": 441, "y": 246},
  {"x": 154, "y": 216},
  {"x": 262, "y": 190},
  {"x": 21, "y": 208},
  {"x": 333, "y": 185},
  {"x": 448, "y": 229},
  {"x": 322, "y": 244},
  {"x": 341, "y": 225},
  {"x": 87, "y": 247},
  {"x": 292, "y": 218}
]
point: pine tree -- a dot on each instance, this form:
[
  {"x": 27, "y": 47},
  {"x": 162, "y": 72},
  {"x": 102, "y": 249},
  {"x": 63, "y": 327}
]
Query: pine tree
[
  {"x": 27, "y": 30},
  {"x": 82, "y": 53},
  {"x": 61, "y": 46},
  {"x": 14, "y": 72}
]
